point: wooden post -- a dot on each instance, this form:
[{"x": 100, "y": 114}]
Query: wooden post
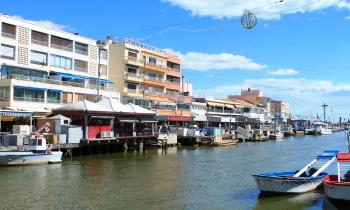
[
  {"x": 338, "y": 172},
  {"x": 133, "y": 129}
]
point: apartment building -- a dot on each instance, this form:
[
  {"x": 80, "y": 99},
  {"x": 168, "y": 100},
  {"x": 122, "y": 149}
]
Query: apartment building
[
  {"x": 280, "y": 111},
  {"x": 150, "y": 77},
  {"x": 256, "y": 98},
  {"x": 43, "y": 68}
]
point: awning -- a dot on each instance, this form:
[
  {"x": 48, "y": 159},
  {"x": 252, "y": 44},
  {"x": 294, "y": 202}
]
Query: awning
[
  {"x": 129, "y": 119},
  {"x": 179, "y": 118},
  {"x": 211, "y": 103},
  {"x": 32, "y": 88},
  {"x": 148, "y": 119},
  {"x": 104, "y": 81},
  {"x": 55, "y": 90},
  {"x": 229, "y": 106},
  {"x": 200, "y": 118},
  {"x": 220, "y": 105},
  {"x": 70, "y": 76},
  {"x": 6, "y": 113},
  {"x": 214, "y": 119}
]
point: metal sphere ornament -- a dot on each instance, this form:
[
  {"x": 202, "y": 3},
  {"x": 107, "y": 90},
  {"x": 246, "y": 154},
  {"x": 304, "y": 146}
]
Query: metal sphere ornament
[{"x": 248, "y": 20}]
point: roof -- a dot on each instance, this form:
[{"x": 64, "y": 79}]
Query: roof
[
  {"x": 140, "y": 110},
  {"x": 83, "y": 106},
  {"x": 59, "y": 117},
  {"x": 242, "y": 103},
  {"x": 113, "y": 105}
]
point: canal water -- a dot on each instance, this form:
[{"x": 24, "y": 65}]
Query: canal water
[{"x": 180, "y": 178}]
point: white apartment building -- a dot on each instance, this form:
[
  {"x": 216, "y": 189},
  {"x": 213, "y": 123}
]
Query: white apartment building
[{"x": 43, "y": 68}]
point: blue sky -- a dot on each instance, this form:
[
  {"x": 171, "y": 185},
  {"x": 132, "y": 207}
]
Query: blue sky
[{"x": 299, "y": 50}]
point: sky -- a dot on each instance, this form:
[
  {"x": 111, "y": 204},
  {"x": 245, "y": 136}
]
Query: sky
[{"x": 298, "y": 51}]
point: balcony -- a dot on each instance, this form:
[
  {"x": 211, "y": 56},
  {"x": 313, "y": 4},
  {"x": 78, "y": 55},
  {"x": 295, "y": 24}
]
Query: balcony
[
  {"x": 155, "y": 96},
  {"x": 173, "y": 85},
  {"x": 27, "y": 99},
  {"x": 155, "y": 67},
  {"x": 57, "y": 82},
  {"x": 8, "y": 35},
  {"x": 154, "y": 81},
  {"x": 61, "y": 43},
  {"x": 133, "y": 77},
  {"x": 8, "y": 31},
  {"x": 133, "y": 92},
  {"x": 173, "y": 72},
  {"x": 38, "y": 42},
  {"x": 54, "y": 101},
  {"x": 134, "y": 61}
]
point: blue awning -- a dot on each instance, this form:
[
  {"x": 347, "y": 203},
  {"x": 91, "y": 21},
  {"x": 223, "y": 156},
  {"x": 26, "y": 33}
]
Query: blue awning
[
  {"x": 104, "y": 81},
  {"x": 70, "y": 76},
  {"x": 55, "y": 90},
  {"x": 32, "y": 88}
]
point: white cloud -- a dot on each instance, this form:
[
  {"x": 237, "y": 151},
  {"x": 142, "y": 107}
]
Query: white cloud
[
  {"x": 347, "y": 18},
  {"x": 282, "y": 72},
  {"x": 204, "y": 62},
  {"x": 48, "y": 24},
  {"x": 266, "y": 10}
]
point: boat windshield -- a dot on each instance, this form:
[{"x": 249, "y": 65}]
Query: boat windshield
[{"x": 35, "y": 142}]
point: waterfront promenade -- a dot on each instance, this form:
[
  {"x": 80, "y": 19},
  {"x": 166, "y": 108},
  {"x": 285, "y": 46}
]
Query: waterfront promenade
[{"x": 180, "y": 178}]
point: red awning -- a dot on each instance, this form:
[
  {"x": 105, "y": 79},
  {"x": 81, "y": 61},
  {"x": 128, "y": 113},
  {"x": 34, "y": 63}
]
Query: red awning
[
  {"x": 343, "y": 157},
  {"x": 179, "y": 118}
]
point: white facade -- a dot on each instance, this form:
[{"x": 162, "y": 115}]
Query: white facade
[
  {"x": 43, "y": 68},
  {"x": 199, "y": 111}
]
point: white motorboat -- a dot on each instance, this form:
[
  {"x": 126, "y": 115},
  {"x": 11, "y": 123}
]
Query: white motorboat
[
  {"x": 322, "y": 128},
  {"x": 304, "y": 180}
]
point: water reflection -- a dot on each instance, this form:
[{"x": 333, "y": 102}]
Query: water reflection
[
  {"x": 286, "y": 202},
  {"x": 329, "y": 204}
]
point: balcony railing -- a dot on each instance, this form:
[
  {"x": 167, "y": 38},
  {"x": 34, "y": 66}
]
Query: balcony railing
[
  {"x": 81, "y": 69},
  {"x": 128, "y": 74},
  {"x": 155, "y": 94},
  {"x": 8, "y": 35},
  {"x": 156, "y": 79},
  {"x": 61, "y": 47},
  {"x": 58, "y": 82},
  {"x": 54, "y": 101},
  {"x": 40, "y": 100},
  {"x": 82, "y": 52},
  {"x": 38, "y": 42}
]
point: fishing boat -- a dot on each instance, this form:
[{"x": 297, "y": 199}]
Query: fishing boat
[
  {"x": 337, "y": 187},
  {"x": 304, "y": 180},
  {"x": 322, "y": 128},
  {"x": 37, "y": 152}
]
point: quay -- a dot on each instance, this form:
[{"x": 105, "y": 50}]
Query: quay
[{"x": 88, "y": 96}]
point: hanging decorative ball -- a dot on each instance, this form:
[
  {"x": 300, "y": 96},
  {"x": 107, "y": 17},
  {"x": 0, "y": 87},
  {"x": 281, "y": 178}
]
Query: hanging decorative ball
[{"x": 248, "y": 20}]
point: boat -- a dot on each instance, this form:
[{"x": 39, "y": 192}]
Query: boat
[
  {"x": 224, "y": 143},
  {"x": 337, "y": 187},
  {"x": 304, "y": 180},
  {"x": 37, "y": 152},
  {"x": 322, "y": 128}
]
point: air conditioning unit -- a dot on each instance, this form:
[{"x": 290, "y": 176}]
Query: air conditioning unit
[
  {"x": 104, "y": 134},
  {"x": 110, "y": 134}
]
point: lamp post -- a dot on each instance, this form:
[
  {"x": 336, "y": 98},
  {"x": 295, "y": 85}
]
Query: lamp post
[{"x": 100, "y": 46}]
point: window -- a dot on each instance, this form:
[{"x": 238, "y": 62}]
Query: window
[
  {"x": 152, "y": 75},
  {"x": 104, "y": 54},
  {"x": 40, "y": 38},
  {"x": 132, "y": 70},
  {"x": 80, "y": 66},
  {"x": 81, "y": 48},
  {"x": 132, "y": 86},
  {"x": 53, "y": 97},
  {"x": 23, "y": 94},
  {"x": 65, "y": 122},
  {"x": 38, "y": 58},
  {"x": 4, "y": 93},
  {"x": 7, "y": 51},
  {"x": 132, "y": 55},
  {"x": 60, "y": 61},
  {"x": 61, "y": 43},
  {"x": 152, "y": 60},
  {"x": 141, "y": 102},
  {"x": 8, "y": 31}
]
